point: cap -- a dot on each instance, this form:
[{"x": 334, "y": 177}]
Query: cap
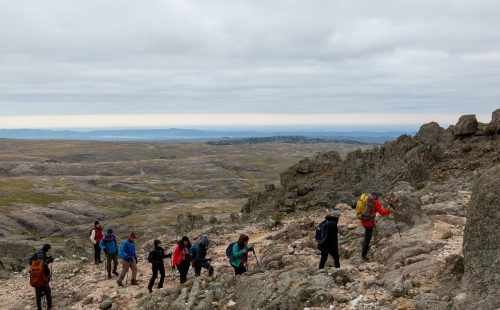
[{"x": 132, "y": 236}]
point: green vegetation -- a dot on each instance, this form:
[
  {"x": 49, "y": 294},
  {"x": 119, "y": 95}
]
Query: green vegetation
[{"x": 21, "y": 191}]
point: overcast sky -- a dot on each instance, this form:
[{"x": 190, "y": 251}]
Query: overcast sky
[{"x": 333, "y": 60}]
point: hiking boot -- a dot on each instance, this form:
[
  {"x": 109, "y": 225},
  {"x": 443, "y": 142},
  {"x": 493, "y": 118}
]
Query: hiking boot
[
  {"x": 150, "y": 290},
  {"x": 119, "y": 283},
  {"x": 365, "y": 259},
  {"x": 109, "y": 276},
  {"x": 134, "y": 282},
  {"x": 100, "y": 262},
  {"x": 115, "y": 273}
]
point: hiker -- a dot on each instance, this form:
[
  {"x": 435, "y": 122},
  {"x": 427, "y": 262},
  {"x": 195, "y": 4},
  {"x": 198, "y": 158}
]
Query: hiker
[
  {"x": 369, "y": 223},
  {"x": 330, "y": 246},
  {"x": 110, "y": 247},
  {"x": 239, "y": 254},
  {"x": 96, "y": 237},
  {"x": 198, "y": 254},
  {"x": 129, "y": 257},
  {"x": 156, "y": 257},
  {"x": 40, "y": 276},
  {"x": 181, "y": 258}
]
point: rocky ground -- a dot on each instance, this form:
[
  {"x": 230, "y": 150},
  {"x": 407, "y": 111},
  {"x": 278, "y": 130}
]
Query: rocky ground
[{"x": 437, "y": 250}]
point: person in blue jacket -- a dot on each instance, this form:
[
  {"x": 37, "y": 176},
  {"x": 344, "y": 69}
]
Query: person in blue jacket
[
  {"x": 199, "y": 258},
  {"x": 110, "y": 247},
  {"x": 239, "y": 254},
  {"x": 129, "y": 257}
]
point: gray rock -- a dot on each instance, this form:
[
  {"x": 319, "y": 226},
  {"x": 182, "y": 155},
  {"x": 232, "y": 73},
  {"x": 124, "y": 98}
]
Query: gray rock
[
  {"x": 494, "y": 126},
  {"x": 466, "y": 126},
  {"x": 481, "y": 278},
  {"x": 106, "y": 304},
  {"x": 429, "y": 301}
]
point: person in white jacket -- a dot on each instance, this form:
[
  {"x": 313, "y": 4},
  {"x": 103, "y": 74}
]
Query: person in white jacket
[{"x": 96, "y": 236}]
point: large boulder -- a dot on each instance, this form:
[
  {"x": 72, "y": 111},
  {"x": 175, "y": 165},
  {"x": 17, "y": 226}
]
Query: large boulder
[
  {"x": 430, "y": 133},
  {"x": 494, "y": 126},
  {"x": 466, "y": 126},
  {"x": 481, "y": 280}
]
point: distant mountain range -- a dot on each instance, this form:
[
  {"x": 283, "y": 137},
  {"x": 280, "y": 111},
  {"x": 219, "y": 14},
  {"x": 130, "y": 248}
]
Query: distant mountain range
[{"x": 176, "y": 134}]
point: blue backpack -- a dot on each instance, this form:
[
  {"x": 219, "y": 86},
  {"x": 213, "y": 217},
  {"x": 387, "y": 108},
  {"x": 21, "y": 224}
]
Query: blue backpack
[
  {"x": 321, "y": 232},
  {"x": 229, "y": 250}
]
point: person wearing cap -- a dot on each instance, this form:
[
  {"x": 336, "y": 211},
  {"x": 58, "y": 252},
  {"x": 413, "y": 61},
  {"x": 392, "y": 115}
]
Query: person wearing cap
[
  {"x": 369, "y": 225},
  {"x": 331, "y": 244},
  {"x": 96, "y": 237},
  {"x": 156, "y": 257},
  {"x": 198, "y": 257},
  {"x": 129, "y": 257},
  {"x": 110, "y": 246},
  {"x": 44, "y": 289}
]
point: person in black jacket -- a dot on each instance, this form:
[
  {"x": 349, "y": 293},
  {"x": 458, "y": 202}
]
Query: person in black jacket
[
  {"x": 156, "y": 257},
  {"x": 45, "y": 289},
  {"x": 331, "y": 245}
]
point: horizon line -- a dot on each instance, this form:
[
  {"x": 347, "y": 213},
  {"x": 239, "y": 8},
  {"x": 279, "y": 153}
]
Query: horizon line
[{"x": 87, "y": 121}]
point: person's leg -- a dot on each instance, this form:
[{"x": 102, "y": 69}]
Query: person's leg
[
  {"x": 48, "y": 295},
  {"x": 197, "y": 269},
  {"x": 240, "y": 270},
  {"x": 125, "y": 267},
  {"x": 336, "y": 259},
  {"x": 209, "y": 267},
  {"x": 99, "y": 254},
  {"x": 162, "y": 275},
  {"x": 322, "y": 261},
  {"x": 133, "y": 267},
  {"x": 183, "y": 270},
  {"x": 109, "y": 257},
  {"x": 366, "y": 242},
  {"x": 153, "y": 277},
  {"x": 114, "y": 257},
  {"x": 38, "y": 297},
  {"x": 96, "y": 247}
]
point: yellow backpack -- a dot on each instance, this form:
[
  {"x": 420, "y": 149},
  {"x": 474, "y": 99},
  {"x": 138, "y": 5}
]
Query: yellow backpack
[{"x": 364, "y": 208}]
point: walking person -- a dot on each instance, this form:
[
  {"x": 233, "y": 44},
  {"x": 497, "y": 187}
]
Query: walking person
[
  {"x": 96, "y": 236},
  {"x": 110, "y": 246},
  {"x": 239, "y": 254},
  {"x": 369, "y": 223},
  {"x": 181, "y": 259},
  {"x": 156, "y": 257},
  {"x": 330, "y": 246},
  {"x": 129, "y": 257},
  {"x": 198, "y": 257},
  {"x": 40, "y": 276}
]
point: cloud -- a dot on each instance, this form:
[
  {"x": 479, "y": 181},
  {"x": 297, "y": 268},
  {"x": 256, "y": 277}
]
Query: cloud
[{"x": 265, "y": 57}]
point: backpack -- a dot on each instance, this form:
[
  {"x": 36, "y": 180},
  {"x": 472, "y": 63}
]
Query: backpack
[
  {"x": 229, "y": 250},
  {"x": 321, "y": 232},
  {"x": 150, "y": 257},
  {"x": 37, "y": 274},
  {"x": 364, "y": 208}
]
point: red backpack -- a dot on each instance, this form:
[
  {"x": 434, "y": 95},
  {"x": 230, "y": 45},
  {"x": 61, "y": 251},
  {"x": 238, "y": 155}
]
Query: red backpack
[{"x": 37, "y": 274}]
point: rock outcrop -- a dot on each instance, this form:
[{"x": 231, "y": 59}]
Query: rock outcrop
[
  {"x": 494, "y": 126},
  {"x": 467, "y": 125},
  {"x": 481, "y": 279}
]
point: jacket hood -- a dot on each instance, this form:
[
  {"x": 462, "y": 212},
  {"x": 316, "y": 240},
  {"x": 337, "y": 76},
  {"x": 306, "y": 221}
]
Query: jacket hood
[{"x": 332, "y": 218}]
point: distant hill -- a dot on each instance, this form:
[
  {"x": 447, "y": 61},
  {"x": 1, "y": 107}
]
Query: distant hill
[
  {"x": 282, "y": 139},
  {"x": 176, "y": 134}
]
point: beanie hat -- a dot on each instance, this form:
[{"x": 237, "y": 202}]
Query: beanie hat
[
  {"x": 46, "y": 247},
  {"x": 204, "y": 240},
  {"x": 96, "y": 222},
  {"x": 132, "y": 236},
  {"x": 336, "y": 212},
  {"x": 109, "y": 231},
  {"x": 376, "y": 194}
]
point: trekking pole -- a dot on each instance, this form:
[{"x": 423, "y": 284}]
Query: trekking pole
[
  {"x": 256, "y": 259},
  {"x": 396, "y": 222}
]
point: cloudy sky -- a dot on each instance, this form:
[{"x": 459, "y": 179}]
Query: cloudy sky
[{"x": 161, "y": 63}]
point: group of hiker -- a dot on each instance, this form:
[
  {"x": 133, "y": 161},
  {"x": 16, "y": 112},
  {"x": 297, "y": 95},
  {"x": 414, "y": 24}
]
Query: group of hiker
[
  {"x": 186, "y": 254},
  {"x": 367, "y": 208}
]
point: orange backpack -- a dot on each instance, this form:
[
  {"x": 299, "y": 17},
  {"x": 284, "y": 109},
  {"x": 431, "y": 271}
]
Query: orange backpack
[{"x": 37, "y": 274}]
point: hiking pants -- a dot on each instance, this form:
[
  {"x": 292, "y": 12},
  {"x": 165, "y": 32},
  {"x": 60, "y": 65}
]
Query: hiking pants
[
  {"x": 324, "y": 257},
  {"x": 111, "y": 257},
  {"x": 203, "y": 264},
  {"x": 155, "y": 268},
  {"x": 97, "y": 253},
  {"x": 39, "y": 291},
  {"x": 366, "y": 242},
  {"x": 239, "y": 270},
  {"x": 183, "y": 268},
  {"x": 126, "y": 265}
]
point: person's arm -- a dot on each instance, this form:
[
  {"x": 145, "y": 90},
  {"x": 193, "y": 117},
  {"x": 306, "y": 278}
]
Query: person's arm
[
  {"x": 122, "y": 252},
  {"x": 102, "y": 245},
  {"x": 92, "y": 236},
  {"x": 379, "y": 208},
  {"x": 175, "y": 256},
  {"x": 236, "y": 252}
]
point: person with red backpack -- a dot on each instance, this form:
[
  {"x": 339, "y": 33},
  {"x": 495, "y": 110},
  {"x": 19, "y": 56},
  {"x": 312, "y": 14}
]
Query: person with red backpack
[
  {"x": 181, "y": 259},
  {"x": 96, "y": 236},
  {"x": 40, "y": 276},
  {"x": 369, "y": 224}
]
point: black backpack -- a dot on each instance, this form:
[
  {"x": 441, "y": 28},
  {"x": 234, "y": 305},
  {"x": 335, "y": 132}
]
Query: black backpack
[{"x": 321, "y": 232}]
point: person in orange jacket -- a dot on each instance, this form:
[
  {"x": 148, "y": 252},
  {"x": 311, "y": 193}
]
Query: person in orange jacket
[
  {"x": 181, "y": 259},
  {"x": 369, "y": 225}
]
